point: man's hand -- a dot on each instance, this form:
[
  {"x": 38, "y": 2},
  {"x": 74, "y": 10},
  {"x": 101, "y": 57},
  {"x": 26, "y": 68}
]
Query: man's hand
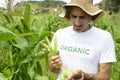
[
  {"x": 55, "y": 63},
  {"x": 76, "y": 75}
]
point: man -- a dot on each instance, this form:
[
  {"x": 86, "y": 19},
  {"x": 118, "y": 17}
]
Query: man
[{"x": 86, "y": 51}]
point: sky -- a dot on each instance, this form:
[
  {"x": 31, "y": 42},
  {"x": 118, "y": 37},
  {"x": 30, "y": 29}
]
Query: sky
[{"x": 3, "y": 4}]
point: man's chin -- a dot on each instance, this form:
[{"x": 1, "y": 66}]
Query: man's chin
[{"x": 78, "y": 30}]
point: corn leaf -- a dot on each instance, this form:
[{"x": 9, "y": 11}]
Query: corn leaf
[
  {"x": 7, "y": 18},
  {"x": 31, "y": 71},
  {"x": 2, "y": 77},
  {"x": 52, "y": 49},
  {"x": 27, "y": 14},
  {"x": 37, "y": 77},
  {"x": 55, "y": 46},
  {"x": 42, "y": 35},
  {"x": 6, "y": 34},
  {"x": 7, "y": 72},
  {"x": 18, "y": 12}
]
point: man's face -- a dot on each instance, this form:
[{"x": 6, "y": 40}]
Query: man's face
[{"x": 79, "y": 19}]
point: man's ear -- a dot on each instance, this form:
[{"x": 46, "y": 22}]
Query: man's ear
[{"x": 90, "y": 19}]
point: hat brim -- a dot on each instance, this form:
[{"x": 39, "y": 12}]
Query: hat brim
[{"x": 89, "y": 9}]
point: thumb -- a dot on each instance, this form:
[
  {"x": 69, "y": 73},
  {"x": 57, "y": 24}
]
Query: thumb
[{"x": 83, "y": 76}]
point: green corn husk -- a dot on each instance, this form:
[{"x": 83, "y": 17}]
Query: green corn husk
[
  {"x": 64, "y": 75},
  {"x": 52, "y": 49},
  {"x": 55, "y": 46}
]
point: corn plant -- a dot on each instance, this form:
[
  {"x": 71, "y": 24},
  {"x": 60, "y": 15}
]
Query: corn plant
[
  {"x": 53, "y": 49},
  {"x": 24, "y": 51}
]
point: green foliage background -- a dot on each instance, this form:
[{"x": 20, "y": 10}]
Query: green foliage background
[{"x": 22, "y": 55}]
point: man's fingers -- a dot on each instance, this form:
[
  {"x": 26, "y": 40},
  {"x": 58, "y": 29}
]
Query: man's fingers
[
  {"x": 76, "y": 75},
  {"x": 83, "y": 76},
  {"x": 54, "y": 57},
  {"x": 70, "y": 74},
  {"x": 55, "y": 61}
]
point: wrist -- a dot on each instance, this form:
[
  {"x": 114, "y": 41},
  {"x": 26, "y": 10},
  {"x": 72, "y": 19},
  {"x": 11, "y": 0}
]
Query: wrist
[{"x": 88, "y": 76}]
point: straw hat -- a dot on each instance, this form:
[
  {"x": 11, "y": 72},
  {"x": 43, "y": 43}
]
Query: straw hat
[{"x": 85, "y": 5}]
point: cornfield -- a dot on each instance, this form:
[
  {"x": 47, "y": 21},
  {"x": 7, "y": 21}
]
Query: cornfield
[{"x": 22, "y": 35}]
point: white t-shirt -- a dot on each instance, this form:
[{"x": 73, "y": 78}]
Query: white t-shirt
[{"x": 85, "y": 50}]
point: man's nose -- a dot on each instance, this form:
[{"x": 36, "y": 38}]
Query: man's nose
[{"x": 77, "y": 21}]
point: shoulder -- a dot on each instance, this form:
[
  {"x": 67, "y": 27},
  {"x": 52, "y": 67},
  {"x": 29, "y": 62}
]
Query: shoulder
[
  {"x": 100, "y": 30},
  {"x": 101, "y": 33},
  {"x": 63, "y": 30}
]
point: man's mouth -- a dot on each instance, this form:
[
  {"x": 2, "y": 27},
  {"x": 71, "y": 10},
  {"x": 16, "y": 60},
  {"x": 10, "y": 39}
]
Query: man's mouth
[{"x": 78, "y": 27}]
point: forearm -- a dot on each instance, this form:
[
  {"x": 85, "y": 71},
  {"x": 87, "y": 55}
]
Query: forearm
[
  {"x": 97, "y": 76},
  {"x": 103, "y": 74}
]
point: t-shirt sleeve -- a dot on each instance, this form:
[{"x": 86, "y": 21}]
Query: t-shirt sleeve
[{"x": 107, "y": 53}]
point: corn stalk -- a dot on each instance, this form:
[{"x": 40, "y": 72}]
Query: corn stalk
[
  {"x": 24, "y": 51},
  {"x": 9, "y": 4}
]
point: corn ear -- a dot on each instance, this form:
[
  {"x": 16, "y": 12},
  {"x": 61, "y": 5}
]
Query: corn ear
[
  {"x": 52, "y": 49},
  {"x": 55, "y": 46},
  {"x": 64, "y": 75}
]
